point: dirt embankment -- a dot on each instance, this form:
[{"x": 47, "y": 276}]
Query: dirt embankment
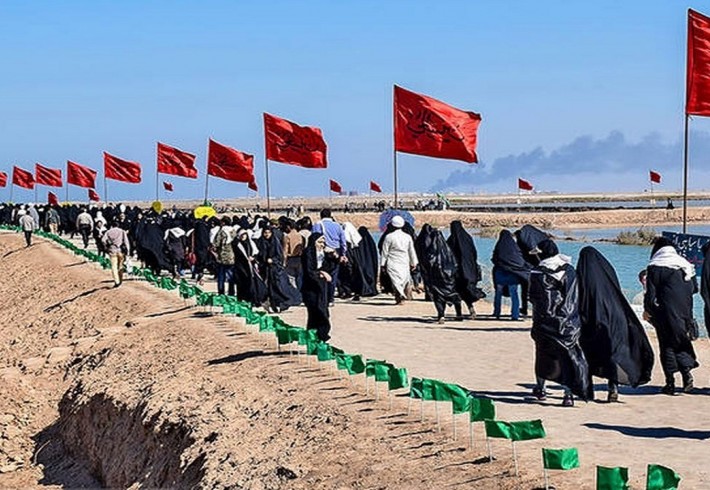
[{"x": 129, "y": 387}]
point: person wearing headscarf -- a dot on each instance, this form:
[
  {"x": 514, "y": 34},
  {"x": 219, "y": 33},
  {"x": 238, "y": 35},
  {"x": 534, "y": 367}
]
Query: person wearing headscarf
[
  {"x": 199, "y": 257},
  {"x": 468, "y": 272},
  {"x": 224, "y": 256},
  {"x": 668, "y": 306},
  {"x": 314, "y": 288},
  {"x": 175, "y": 250},
  {"x": 282, "y": 295},
  {"x": 527, "y": 238},
  {"x": 398, "y": 259},
  {"x": 250, "y": 286},
  {"x": 556, "y": 327},
  {"x": 438, "y": 266},
  {"x": 368, "y": 257},
  {"x": 349, "y": 277},
  {"x": 510, "y": 269},
  {"x": 613, "y": 340}
]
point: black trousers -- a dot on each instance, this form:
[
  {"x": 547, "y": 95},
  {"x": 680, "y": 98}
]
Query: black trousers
[{"x": 28, "y": 238}]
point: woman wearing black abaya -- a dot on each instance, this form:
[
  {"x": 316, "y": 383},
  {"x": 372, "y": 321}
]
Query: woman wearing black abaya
[
  {"x": 438, "y": 266},
  {"x": 668, "y": 306},
  {"x": 282, "y": 294},
  {"x": 369, "y": 263},
  {"x": 556, "y": 328},
  {"x": 314, "y": 287},
  {"x": 250, "y": 286},
  {"x": 527, "y": 238},
  {"x": 510, "y": 269},
  {"x": 468, "y": 272},
  {"x": 613, "y": 339},
  {"x": 199, "y": 244},
  {"x": 705, "y": 285}
]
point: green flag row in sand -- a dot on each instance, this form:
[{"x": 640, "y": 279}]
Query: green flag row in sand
[{"x": 479, "y": 409}]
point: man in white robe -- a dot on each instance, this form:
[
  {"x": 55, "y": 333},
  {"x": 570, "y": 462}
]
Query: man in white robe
[{"x": 398, "y": 258}]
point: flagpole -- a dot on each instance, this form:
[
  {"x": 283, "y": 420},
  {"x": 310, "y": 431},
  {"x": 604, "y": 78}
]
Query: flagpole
[
  {"x": 105, "y": 189},
  {"x": 35, "y": 193},
  {"x": 66, "y": 193},
  {"x": 396, "y": 195},
  {"x": 268, "y": 184},
  {"x": 12, "y": 188},
  {"x": 157, "y": 178},
  {"x": 685, "y": 176}
]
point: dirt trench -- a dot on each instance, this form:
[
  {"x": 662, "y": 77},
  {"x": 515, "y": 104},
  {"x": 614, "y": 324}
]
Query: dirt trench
[{"x": 131, "y": 387}]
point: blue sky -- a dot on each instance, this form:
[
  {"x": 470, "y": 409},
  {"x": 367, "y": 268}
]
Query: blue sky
[{"x": 80, "y": 78}]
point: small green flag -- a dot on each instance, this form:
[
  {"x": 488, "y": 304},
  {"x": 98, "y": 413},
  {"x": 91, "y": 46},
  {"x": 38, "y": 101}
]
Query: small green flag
[
  {"x": 482, "y": 409},
  {"x": 612, "y": 478},
  {"x": 325, "y": 352},
  {"x": 456, "y": 394},
  {"x": 560, "y": 459},
  {"x": 661, "y": 478},
  {"x": 306, "y": 337},
  {"x": 398, "y": 378},
  {"x": 353, "y": 363},
  {"x": 528, "y": 430},
  {"x": 498, "y": 429},
  {"x": 416, "y": 388}
]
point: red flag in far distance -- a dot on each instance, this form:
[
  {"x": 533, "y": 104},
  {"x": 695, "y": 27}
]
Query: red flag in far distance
[
  {"x": 524, "y": 185},
  {"x": 51, "y": 177},
  {"x": 123, "y": 170},
  {"x": 52, "y": 199},
  {"x": 93, "y": 196},
  {"x": 229, "y": 164},
  {"x": 655, "y": 177},
  {"x": 168, "y": 186},
  {"x": 176, "y": 162},
  {"x": 375, "y": 187},
  {"x": 22, "y": 178},
  {"x": 335, "y": 187},
  {"x": 287, "y": 142},
  {"x": 80, "y": 175},
  {"x": 3, "y": 179},
  {"x": 252, "y": 185},
  {"x": 697, "y": 89},
  {"x": 426, "y": 126}
]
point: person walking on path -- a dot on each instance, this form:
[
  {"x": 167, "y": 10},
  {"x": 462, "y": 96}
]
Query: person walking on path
[
  {"x": 225, "y": 256},
  {"x": 28, "y": 225},
  {"x": 53, "y": 220},
  {"x": 336, "y": 246},
  {"x": 85, "y": 224},
  {"x": 292, "y": 244},
  {"x": 117, "y": 245},
  {"x": 314, "y": 288},
  {"x": 398, "y": 258}
]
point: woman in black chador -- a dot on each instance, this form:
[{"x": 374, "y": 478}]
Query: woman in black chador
[
  {"x": 282, "y": 294},
  {"x": 556, "y": 328},
  {"x": 438, "y": 267},
  {"x": 250, "y": 287},
  {"x": 613, "y": 339},
  {"x": 468, "y": 272},
  {"x": 314, "y": 288},
  {"x": 668, "y": 306}
]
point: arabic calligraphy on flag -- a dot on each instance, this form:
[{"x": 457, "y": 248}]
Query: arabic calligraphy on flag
[
  {"x": 287, "y": 142},
  {"x": 426, "y": 126}
]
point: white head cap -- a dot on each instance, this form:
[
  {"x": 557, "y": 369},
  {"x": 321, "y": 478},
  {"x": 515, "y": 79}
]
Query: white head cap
[{"x": 397, "y": 222}]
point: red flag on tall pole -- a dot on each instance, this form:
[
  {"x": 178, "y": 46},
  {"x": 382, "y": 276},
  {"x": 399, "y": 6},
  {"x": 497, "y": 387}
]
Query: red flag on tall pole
[
  {"x": 80, "y": 175},
  {"x": 51, "y": 177},
  {"x": 3, "y": 179},
  {"x": 52, "y": 199},
  {"x": 426, "y": 126},
  {"x": 93, "y": 196},
  {"x": 229, "y": 164},
  {"x": 168, "y": 186},
  {"x": 375, "y": 187},
  {"x": 287, "y": 142},
  {"x": 655, "y": 177},
  {"x": 22, "y": 178},
  {"x": 176, "y": 162},
  {"x": 524, "y": 185},
  {"x": 697, "y": 91},
  {"x": 335, "y": 186},
  {"x": 123, "y": 170}
]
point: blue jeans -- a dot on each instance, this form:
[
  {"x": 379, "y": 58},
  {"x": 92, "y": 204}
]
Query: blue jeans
[
  {"x": 225, "y": 274},
  {"x": 503, "y": 280}
]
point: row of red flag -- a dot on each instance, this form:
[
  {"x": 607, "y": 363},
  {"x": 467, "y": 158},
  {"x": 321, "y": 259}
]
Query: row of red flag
[{"x": 526, "y": 185}]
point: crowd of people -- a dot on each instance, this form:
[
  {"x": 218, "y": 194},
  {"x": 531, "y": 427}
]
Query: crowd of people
[{"x": 582, "y": 324}]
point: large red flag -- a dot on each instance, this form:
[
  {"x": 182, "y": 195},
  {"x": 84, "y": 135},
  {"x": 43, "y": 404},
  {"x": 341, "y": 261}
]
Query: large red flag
[
  {"x": 229, "y": 164},
  {"x": 176, "y": 162},
  {"x": 3, "y": 179},
  {"x": 93, "y": 196},
  {"x": 48, "y": 176},
  {"x": 52, "y": 199},
  {"x": 335, "y": 187},
  {"x": 287, "y": 142},
  {"x": 524, "y": 185},
  {"x": 654, "y": 176},
  {"x": 168, "y": 186},
  {"x": 697, "y": 89},
  {"x": 80, "y": 175},
  {"x": 22, "y": 178},
  {"x": 429, "y": 127},
  {"x": 375, "y": 187},
  {"x": 123, "y": 170}
]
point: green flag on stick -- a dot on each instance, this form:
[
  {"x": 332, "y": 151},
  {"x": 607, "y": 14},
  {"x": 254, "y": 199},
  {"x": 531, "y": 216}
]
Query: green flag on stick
[
  {"x": 416, "y": 388},
  {"x": 379, "y": 369},
  {"x": 612, "y": 478},
  {"x": 456, "y": 394},
  {"x": 560, "y": 459},
  {"x": 482, "y": 409},
  {"x": 498, "y": 429},
  {"x": 515, "y": 431},
  {"x": 397, "y": 378},
  {"x": 661, "y": 478},
  {"x": 353, "y": 363}
]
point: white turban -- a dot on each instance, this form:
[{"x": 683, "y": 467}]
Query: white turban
[{"x": 397, "y": 222}]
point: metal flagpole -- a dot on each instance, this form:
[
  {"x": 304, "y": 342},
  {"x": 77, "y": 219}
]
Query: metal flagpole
[
  {"x": 207, "y": 186},
  {"x": 396, "y": 194},
  {"x": 36, "y": 185},
  {"x": 685, "y": 176},
  {"x": 105, "y": 188},
  {"x": 12, "y": 188},
  {"x": 268, "y": 188},
  {"x": 157, "y": 180},
  {"x": 547, "y": 480}
]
